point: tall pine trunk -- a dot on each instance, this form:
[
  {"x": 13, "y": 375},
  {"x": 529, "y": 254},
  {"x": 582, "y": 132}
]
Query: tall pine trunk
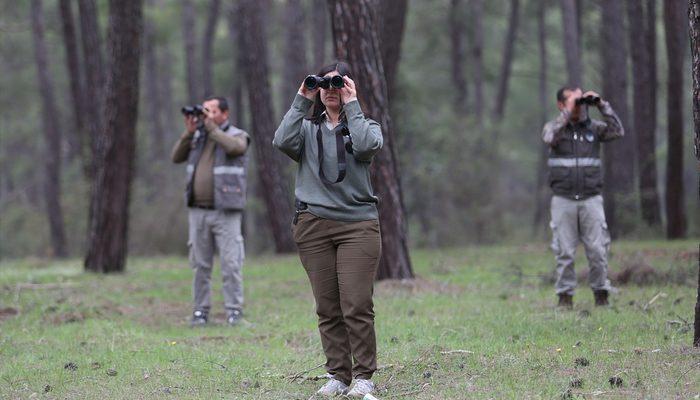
[
  {"x": 455, "y": 21},
  {"x": 207, "y": 48},
  {"x": 674, "y": 26},
  {"x": 643, "y": 105},
  {"x": 356, "y": 38},
  {"x": 269, "y": 162},
  {"x": 152, "y": 76},
  {"x": 319, "y": 28},
  {"x": 507, "y": 61},
  {"x": 694, "y": 33},
  {"x": 294, "y": 70},
  {"x": 189, "y": 39},
  {"x": 620, "y": 205},
  {"x": 542, "y": 189},
  {"x": 116, "y": 146},
  {"x": 572, "y": 41},
  {"x": 70, "y": 42},
  {"x": 393, "y": 17},
  {"x": 477, "y": 14},
  {"x": 52, "y": 135}
]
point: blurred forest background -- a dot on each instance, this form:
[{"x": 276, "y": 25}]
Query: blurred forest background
[{"x": 475, "y": 82}]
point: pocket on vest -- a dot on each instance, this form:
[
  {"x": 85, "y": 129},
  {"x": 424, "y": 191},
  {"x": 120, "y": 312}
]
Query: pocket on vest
[
  {"x": 560, "y": 178},
  {"x": 592, "y": 180}
]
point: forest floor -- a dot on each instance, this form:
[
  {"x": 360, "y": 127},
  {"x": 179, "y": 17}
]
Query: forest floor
[{"x": 477, "y": 323}]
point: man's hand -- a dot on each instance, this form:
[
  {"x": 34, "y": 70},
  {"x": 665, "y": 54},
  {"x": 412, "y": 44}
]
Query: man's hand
[
  {"x": 191, "y": 124},
  {"x": 594, "y": 94},
  {"x": 309, "y": 94},
  {"x": 348, "y": 92}
]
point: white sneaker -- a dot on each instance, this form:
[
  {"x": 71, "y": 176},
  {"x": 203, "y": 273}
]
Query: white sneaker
[
  {"x": 333, "y": 387},
  {"x": 361, "y": 388}
]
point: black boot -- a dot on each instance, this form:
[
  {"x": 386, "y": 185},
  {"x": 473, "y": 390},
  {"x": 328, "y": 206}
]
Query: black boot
[
  {"x": 566, "y": 301},
  {"x": 601, "y": 297}
]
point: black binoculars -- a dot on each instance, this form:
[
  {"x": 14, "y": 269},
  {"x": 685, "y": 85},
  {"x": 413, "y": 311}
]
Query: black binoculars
[
  {"x": 196, "y": 110},
  {"x": 314, "y": 81},
  {"x": 588, "y": 100}
]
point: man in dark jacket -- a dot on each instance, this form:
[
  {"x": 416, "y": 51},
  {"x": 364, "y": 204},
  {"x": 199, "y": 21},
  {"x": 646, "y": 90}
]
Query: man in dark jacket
[
  {"x": 576, "y": 181},
  {"x": 215, "y": 152}
]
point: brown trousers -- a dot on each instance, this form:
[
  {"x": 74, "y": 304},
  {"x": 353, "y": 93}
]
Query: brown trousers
[{"x": 341, "y": 260}]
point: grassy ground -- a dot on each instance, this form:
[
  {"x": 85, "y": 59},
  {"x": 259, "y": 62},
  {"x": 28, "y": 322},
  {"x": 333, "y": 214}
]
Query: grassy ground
[{"x": 478, "y": 323}]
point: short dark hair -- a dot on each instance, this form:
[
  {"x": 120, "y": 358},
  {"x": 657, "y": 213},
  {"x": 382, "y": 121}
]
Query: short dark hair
[
  {"x": 560, "y": 93},
  {"x": 223, "y": 104}
]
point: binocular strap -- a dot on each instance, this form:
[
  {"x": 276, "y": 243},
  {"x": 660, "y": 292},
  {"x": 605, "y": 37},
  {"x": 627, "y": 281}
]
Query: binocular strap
[{"x": 340, "y": 149}]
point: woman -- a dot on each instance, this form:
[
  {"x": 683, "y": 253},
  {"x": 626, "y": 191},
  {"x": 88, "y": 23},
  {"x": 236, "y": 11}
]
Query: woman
[{"x": 336, "y": 225}]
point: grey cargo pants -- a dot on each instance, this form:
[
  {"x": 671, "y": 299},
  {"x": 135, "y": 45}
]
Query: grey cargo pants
[
  {"x": 210, "y": 229},
  {"x": 584, "y": 220}
]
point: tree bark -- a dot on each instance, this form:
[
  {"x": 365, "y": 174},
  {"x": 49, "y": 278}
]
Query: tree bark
[
  {"x": 694, "y": 33},
  {"x": 236, "y": 39},
  {"x": 94, "y": 71},
  {"x": 643, "y": 109},
  {"x": 572, "y": 50},
  {"x": 542, "y": 189},
  {"x": 294, "y": 49},
  {"x": 116, "y": 147},
  {"x": 620, "y": 206},
  {"x": 319, "y": 28},
  {"x": 269, "y": 162},
  {"x": 78, "y": 138},
  {"x": 674, "y": 27},
  {"x": 189, "y": 41},
  {"x": 393, "y": 17},
  {"x": 52, "y": 134},
  {"x": 455, "y": 21},
  {"x": 507, "y": 61},
  {"x": 207, "y": 46},
  {"x": 477, "y": 11},
  {"x": 152, "y": 76},
  {"x": 356, "y": 39}
]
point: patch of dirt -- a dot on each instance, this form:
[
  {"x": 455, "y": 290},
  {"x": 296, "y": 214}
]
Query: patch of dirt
[
  {"x": 415, "y": 286},
  {"x": 65, "y": 317},
  {"x": 7, "y": 313}
]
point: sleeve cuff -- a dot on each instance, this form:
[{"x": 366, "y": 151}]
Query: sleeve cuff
[
  {"x": 352, "y": 108},
  {"x": 302, "y": 103}
]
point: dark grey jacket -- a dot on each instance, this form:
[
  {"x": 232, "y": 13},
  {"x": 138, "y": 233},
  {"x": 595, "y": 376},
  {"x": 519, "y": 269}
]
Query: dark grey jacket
[
  {"x": 229, "y": 172},
  {"x": 574, "y": 155}
]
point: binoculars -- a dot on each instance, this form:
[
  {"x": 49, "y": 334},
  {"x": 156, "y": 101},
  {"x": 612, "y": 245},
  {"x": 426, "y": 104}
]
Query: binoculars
[
  {"x": 314, "y": 81},
  {"x": 588, "y": 100},
  {"x": 196, "y": 110}
]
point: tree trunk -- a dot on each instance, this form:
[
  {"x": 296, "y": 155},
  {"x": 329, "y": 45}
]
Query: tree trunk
[
  {"x": 393, "y": 17},
  {"x": 78, "y": 138},
  {"x": 455, "y": 21},
  {"x": 269, "y": 162},
  {"x": 116, "y": 147},
  {"x": 52, "y": 135},
  {"x": 694, "y": 33},
  {"x": 620, "y": 206},
  {"x": 152, "y": 76},
  {"x": 542, "y": 189},
  {"x": 94, "y": 71},
  {"x": 235, "y": 38},
  {"x": 674, "y": 26},
  {"x": 356, "y": 39},
  {"x": 189, "y": 41},
  {"x": 477, "y": 11},
  {"x": 319, "y": 26},
  {"x": 507, "y": 62},
  {"x": 207, "y": 46},
  {"x": 572, "y": 50},
  {"x": 651, "y": 42},
  {"x": 643, "y": 110},
  {"x": 294, "y": 49}
]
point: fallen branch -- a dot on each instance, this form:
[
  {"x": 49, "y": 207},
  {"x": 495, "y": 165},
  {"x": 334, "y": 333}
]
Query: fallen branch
[
  {"x": 298, "y": 375},
  {"x": 447, "y": 352},
  {"x": 653, "y": 299}
]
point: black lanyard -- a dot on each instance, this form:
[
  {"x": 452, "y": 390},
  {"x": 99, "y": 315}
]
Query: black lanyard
[{"x": 340, "y": 149}]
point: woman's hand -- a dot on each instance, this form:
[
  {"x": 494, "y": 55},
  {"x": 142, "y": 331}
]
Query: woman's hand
[
  {"x": 309, "y": 94},
  {"x": 348, "y": 92}
]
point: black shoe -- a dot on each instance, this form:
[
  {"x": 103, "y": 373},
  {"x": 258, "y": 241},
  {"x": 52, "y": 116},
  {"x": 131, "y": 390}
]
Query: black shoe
[
  {"x": 566, "y": 301},
  {"x": 234, "y": 317},
  {"x": 199, "y": 318},
  {"x": 601, "y": 297}
]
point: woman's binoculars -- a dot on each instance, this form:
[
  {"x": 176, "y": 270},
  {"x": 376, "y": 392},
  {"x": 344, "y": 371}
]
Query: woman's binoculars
[
  {"x": 588, "y": 100},
  {"x": 314, "y": 81}
]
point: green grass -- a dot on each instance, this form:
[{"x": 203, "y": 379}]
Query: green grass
[{"x": 128, "y": 334}]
